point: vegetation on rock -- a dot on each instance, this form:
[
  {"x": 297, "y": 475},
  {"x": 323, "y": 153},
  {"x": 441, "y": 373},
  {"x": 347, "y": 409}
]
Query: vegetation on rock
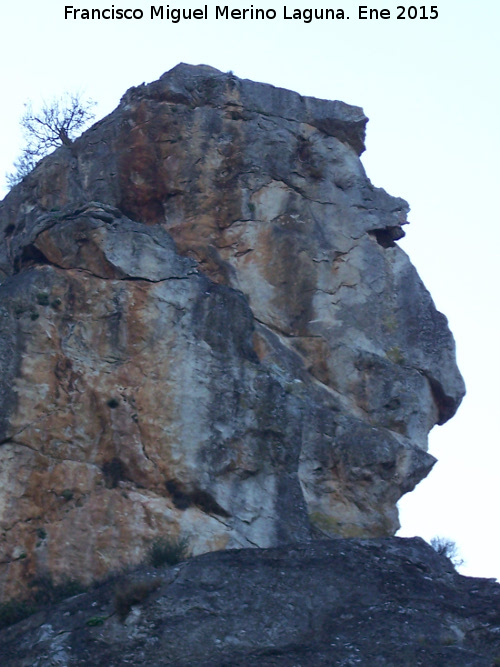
[{"x": 55, "y": 124}]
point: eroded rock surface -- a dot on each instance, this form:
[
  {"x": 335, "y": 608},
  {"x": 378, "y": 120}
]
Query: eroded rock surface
[
  {"x": 390, "y": 601},
  {"x": 208, "y": 330}
]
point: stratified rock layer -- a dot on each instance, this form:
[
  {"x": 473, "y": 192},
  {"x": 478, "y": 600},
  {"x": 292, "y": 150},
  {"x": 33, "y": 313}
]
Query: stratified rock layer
[{"x": 208, "y": 330}]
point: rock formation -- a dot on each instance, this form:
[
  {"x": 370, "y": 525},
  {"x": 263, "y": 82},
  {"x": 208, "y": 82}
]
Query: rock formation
[
  {"x": 388, "y": 602},
  {"x": 208, "y": 330}
]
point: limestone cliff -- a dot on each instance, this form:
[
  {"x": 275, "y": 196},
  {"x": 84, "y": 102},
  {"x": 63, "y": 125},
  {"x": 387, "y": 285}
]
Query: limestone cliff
[{"x": 208, "y": 330}]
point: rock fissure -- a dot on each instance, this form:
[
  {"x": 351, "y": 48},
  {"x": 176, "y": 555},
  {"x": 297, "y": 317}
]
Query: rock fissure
[
  {"x": 46, "y": 262},
  {"x": 31, "y": 425},
  {"x": 13, "y": 441},
  {"x": 281, "y": 332}
]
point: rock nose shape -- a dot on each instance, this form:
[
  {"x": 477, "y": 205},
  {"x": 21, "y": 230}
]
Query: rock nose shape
[{"x": 209, "y": 331}]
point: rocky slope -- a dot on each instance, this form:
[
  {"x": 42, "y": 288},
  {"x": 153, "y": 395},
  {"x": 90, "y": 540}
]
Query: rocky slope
[
  {"x": 389, "y": 601},
  {"x": 208, "y": 330}
]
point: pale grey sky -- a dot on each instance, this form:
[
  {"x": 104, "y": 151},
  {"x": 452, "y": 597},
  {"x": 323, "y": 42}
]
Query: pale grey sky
[{"x": 431, "y": 91}]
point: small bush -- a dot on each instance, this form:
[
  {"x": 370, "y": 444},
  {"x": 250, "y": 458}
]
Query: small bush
[
  {"x": 42, "y": 298},
  {"x": 113, "y": 403},
  {"x": 131, "y": 594},
  {"x": 395, "y": 355},
  {"x": 14, "y": 611},
  {"x": 67, "y": 494},
  {"x": 446, "y": 547},
  {"x": 46, "y": 592},
  {"x": 168, "y": 551},
  {"x": 94, "y": 621},
  {"x": 449, "y": 640}
]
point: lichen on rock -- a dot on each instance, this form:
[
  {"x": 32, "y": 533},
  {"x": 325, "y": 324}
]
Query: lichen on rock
[{"x": 208, "y": 330}]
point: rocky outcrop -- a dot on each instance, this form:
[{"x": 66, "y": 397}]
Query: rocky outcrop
[
  {"x": 391, "y": 602},
  {"x": 208, "y": 330}
]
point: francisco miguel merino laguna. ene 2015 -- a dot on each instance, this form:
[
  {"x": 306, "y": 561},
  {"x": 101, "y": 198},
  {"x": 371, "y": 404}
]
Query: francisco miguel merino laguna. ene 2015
[{"x": 175, "y": 15}]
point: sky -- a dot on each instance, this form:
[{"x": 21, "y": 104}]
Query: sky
[{"x": 431, "y": 90}]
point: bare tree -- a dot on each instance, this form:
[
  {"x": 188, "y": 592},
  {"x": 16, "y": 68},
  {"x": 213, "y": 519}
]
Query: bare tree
[
  {"x": 446, "y": 547},
  {"x": 55, "y": 124},
  {"x": 22, "y": 167}
]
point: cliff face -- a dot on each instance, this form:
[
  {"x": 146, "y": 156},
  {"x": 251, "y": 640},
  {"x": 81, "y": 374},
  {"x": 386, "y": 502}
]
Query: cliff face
[{"x": 208, "y": 330}]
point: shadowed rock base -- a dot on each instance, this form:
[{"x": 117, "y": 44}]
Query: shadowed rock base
[{"x": 385, "y": 602}]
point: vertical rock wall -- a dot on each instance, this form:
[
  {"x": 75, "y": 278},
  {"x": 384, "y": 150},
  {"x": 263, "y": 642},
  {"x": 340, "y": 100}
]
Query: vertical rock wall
[{"x": 208, "y": 330}]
